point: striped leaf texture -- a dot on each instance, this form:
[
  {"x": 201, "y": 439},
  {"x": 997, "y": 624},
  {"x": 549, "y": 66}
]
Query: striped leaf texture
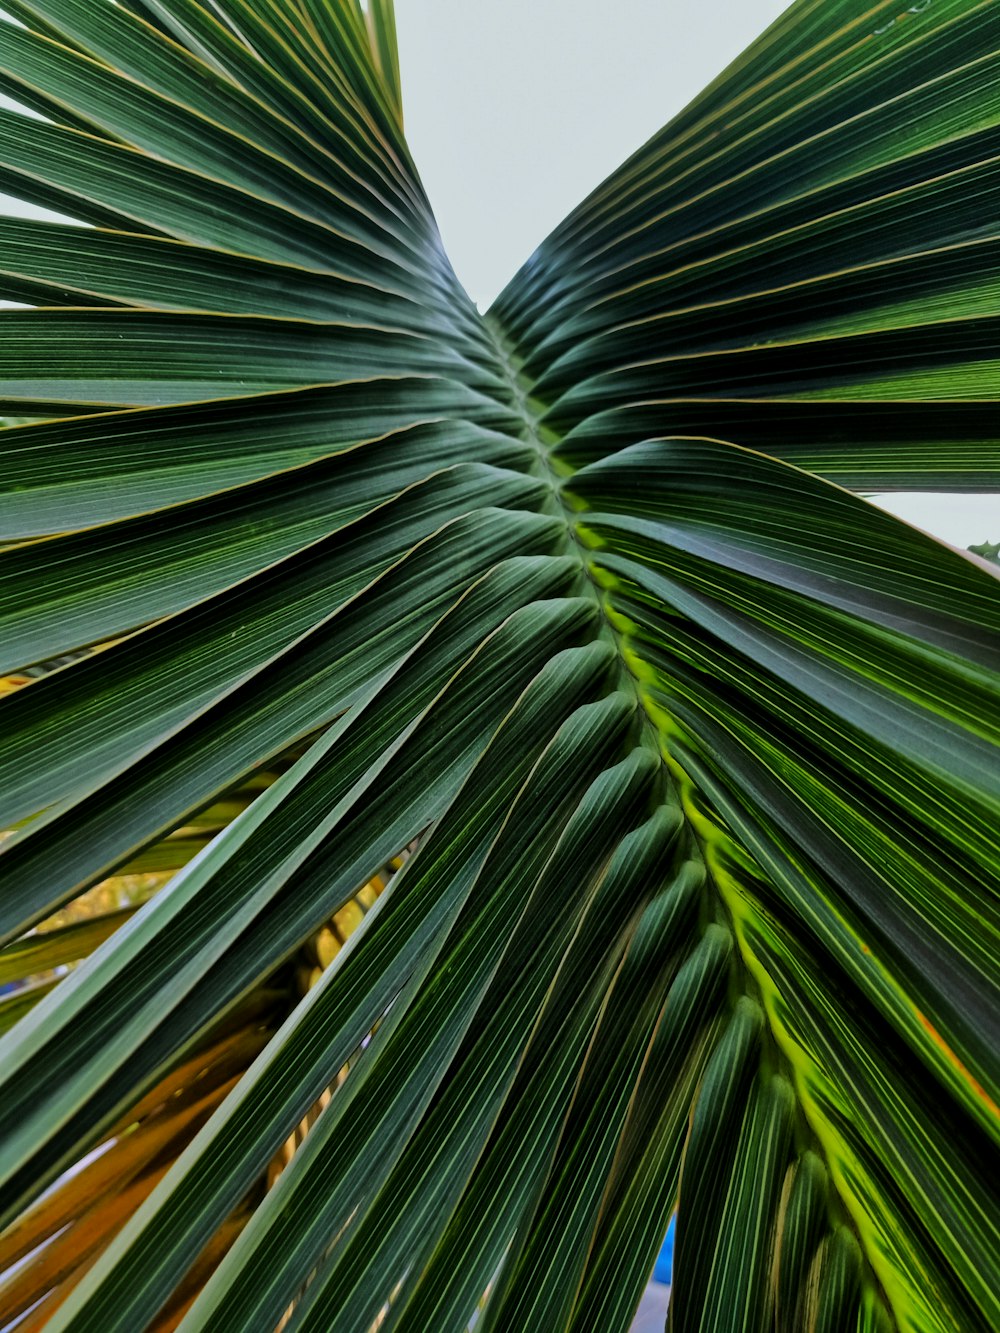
[{"x": 477, "y": 784}]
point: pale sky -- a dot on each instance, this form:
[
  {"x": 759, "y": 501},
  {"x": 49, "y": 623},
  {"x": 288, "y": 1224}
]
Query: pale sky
[{"x": 516, "y": 109}]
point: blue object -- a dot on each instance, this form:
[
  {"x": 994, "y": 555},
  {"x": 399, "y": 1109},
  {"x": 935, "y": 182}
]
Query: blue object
[{"x": 665, "y": 1259}]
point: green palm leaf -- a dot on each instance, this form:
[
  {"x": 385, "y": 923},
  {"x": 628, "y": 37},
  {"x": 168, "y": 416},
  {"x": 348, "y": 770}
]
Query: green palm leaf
[{"x": 685, "y": 756}]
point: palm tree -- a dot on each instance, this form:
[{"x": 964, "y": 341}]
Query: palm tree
[{"x": 668, "y": 761}]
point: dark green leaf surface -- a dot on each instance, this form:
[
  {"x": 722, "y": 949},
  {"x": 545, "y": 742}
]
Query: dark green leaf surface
[{"x": 692, "y": 752}]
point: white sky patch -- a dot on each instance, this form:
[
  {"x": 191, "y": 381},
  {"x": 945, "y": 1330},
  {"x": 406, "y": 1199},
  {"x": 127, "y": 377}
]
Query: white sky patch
[
  {"x": 516, "y": 109},
  {"x": 963, "y": 520}
]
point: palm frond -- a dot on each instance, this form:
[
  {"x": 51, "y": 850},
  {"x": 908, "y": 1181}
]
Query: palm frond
[{"x": 683, "y": 755}]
